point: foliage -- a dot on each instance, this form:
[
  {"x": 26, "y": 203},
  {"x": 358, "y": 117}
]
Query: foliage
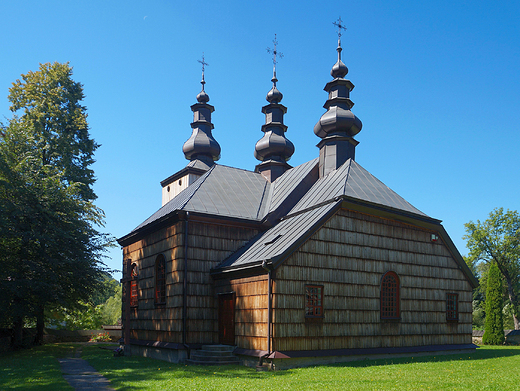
[
  {"x": 497, "y": 239},
  {"x": 83, "y": 316},
  {"x": 101, "y": 337},
  {"x": 49, "y": 242},
  {"x": 87, "y": 316},
  {"x": 49, "y": 102},
  {"x": 494, "y": 325},
  {"x": 108, "y": 288},
  {"x": 111, "y": 309}
]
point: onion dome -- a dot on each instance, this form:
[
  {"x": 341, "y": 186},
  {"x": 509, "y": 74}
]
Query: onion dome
[
  {"x": 201, "y": 145},
  {"x": 339, "y": 70},
  {"x": 274, "y": 96},
  {"x": 273, "y": 149},
  {"x": 338, "y": 124},
  {"x": 338, "y": 119}
]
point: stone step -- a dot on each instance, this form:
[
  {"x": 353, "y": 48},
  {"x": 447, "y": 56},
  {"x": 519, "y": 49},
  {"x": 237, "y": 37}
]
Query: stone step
[
  {"x": 218, "y": 348},
  {"x": 202, "y": 356},
  {"x": 213, "y": 355}
]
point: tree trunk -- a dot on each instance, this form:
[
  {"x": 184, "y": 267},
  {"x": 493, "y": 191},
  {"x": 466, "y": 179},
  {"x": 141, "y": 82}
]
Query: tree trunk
[
  {"x": 38, "y": 338},
  {"x": 17, "y": 340},
  {"x": 513, "y": 298}
]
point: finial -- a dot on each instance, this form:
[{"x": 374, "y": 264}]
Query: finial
[
  {"x": 202, "y": 97},
  {"x": 339, "y": 24},
  {"x": 339, "y": 69},
  {"x": 274, "y": 52},
  {"x": 204, "y": 63}
]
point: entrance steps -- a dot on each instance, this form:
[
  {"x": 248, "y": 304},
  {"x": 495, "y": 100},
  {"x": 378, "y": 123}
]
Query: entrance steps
[{"x": 213, "y": 355}]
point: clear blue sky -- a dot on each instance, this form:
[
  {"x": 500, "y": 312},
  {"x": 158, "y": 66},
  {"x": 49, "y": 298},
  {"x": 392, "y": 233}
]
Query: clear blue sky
[{"x": 437, "y": 89}]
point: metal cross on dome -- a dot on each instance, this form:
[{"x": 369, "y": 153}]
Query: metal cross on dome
[
  {"x": 275, "y": 52},
  {"x": 339, "y": 24},
  {"x": 204, "y": 63}
]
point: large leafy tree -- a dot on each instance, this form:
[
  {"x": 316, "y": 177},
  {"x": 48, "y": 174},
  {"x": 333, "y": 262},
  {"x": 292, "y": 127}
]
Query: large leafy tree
[
  {"x": 494, "y": 325},
  {"x": 50, "y": 247},
  {"x": 497, "y": 239}
]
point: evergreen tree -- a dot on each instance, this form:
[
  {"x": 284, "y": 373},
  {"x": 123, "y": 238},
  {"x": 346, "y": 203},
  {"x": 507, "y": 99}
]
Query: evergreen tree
[{"x": 494, "y": 325}]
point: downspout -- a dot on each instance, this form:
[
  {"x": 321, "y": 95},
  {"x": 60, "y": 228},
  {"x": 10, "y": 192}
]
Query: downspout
[
  {"x": 266, "y": 267},
  {"x": 185, "y": 286},
  {"x": 127, "y": 264}
]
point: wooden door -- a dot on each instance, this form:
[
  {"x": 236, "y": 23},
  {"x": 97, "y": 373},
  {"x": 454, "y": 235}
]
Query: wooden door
[{"x": 226, "y": 318}]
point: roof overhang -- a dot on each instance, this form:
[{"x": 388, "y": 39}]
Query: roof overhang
[
  {"x": 357, "y": 205},
  {"x": 182, "y": 215}
]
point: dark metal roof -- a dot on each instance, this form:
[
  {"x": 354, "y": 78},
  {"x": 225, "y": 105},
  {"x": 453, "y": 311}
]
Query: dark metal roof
[
  {"x": 354, "y": 181},
  {"x": 222, "y": 191},
  {"x": 281, "y": 238},
  {"x": 236, "y": 193},
  {"x": 287, "y": 183}
]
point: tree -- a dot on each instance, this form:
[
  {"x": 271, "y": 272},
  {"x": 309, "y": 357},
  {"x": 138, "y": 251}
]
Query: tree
[
  {"x": 494, "y": 325},
  {"x": 497, "y": 239},
  {"x": 50, "y": 248}
]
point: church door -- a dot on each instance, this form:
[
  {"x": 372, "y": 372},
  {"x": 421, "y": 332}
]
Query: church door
[{"x": 226, "y": 319}]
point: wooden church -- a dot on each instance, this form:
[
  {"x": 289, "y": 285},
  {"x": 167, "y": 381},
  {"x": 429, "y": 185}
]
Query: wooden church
[{"x": 291, "y": 265}]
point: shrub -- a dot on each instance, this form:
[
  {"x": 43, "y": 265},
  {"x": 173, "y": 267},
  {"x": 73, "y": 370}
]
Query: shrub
[{"x": 101, "y": 337}]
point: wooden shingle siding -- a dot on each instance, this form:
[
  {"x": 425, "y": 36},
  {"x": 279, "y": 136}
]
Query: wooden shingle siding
[
  {"x": 250, "y": 310},
  {"x": 348, "y": 256},
  {"x": 208, "y": 245}
]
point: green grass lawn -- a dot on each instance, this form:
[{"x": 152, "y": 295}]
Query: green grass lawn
[
  {"x": 34, "y": 369},
  {"x": 489, "y": 368}
]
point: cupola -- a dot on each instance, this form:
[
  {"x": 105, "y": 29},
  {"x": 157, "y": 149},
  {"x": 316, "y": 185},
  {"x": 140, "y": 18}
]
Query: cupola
[
  {"x": 273, "y": 149},
  {"x": 201, "y": 149},
  {"x": 201, "y": 145},
  {"x": 338, "y": 125}
]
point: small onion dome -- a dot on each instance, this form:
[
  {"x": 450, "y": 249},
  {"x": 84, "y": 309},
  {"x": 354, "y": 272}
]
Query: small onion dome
[
  {"x": 274, "y": 95},
  {"x": 337, "y": 120},
  {"x": 203, "y": 97},
  {"x": 339, "y": 70},
  {"x": 274, "y": 146}
]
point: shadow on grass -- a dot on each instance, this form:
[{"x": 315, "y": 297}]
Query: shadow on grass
[
  {"x": 136, "y": 369},
  {"x": 133, "y": 372},
  {"x": 34, "y": 368},
  {"x": 482, "y": 353}
]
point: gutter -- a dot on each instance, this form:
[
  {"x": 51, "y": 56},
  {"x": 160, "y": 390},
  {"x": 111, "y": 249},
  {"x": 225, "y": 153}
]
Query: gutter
[{"x": 185, "y": 282}]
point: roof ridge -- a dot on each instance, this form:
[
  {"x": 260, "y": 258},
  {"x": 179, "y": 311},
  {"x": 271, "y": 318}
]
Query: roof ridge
[
  {"x": 196, "y": 186},
  {"x": 347, "y": 175}
]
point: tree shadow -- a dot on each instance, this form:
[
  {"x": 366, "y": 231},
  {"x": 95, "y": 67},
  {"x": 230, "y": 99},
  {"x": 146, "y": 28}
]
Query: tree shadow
[{"x": 483, "y": 353}]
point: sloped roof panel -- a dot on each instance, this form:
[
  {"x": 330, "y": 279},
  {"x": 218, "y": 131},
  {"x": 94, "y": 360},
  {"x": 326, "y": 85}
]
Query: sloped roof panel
[
  {"x": 223, "y": 191},
  {"x": 354, "y": 181},
  {"x": 276, "y": 241},
  {"x": 284, "y": 185},
  {"x": 363, "y": 185},
  {"x": 176, "y": 203}
]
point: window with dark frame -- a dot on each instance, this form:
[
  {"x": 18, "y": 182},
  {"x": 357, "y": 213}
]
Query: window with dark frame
[
  {"x": 390, "y": 292},
  {"x": 160, "y": 280},
  {"x": 452, "y": 306},
  {"x": 133, "y": 286},
  {"x": 313, "y": 301}
]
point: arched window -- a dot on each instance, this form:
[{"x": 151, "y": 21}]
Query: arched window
[
  {"x": 160, "y": 280},
  {"x": 133, "y": 286},
  {"x": 390, "y": 296}
]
